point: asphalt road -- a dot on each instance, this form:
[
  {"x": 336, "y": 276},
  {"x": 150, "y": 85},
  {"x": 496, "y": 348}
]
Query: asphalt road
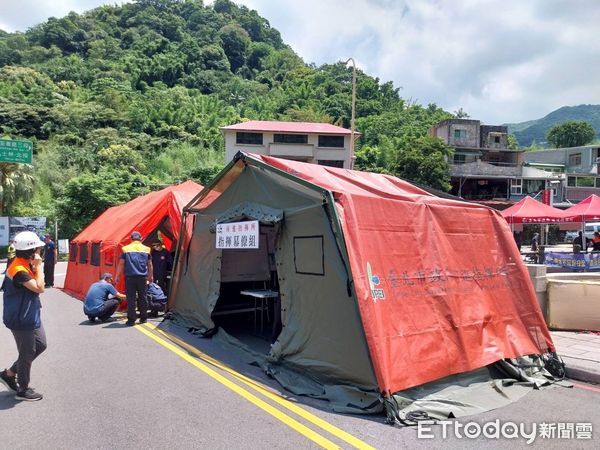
[{"x": 110, "y": 386}]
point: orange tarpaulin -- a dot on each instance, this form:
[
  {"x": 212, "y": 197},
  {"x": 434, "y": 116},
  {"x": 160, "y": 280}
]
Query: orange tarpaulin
[
  {"x": 440, "y": 285},
  {"x": 113, "y": 228}
]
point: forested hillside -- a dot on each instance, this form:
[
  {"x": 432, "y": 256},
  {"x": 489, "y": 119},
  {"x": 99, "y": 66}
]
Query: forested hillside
[
  {"x": 124, "y": 99},
  {"x": 535, "y": 132}
]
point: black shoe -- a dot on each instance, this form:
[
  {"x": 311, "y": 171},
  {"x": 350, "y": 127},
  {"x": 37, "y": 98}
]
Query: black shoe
[
  {"x": 107, "y": 319},
  {"x": 8, "y": 381},
  {"x": 142, "y": 321},
  {"x": 130, "y": 323},
  {"x": 29, "y": 395},
  {"x": 91, "y": 318}
]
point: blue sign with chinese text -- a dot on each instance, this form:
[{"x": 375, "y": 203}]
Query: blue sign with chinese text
[{"x": 573, "y": 261}]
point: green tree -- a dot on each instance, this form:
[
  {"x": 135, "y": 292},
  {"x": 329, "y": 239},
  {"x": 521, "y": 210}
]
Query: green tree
[
  {"x": 121, "y": 156},
  {"x": 87, "y": 196},
  {"x": 424, "y": 161},
  {"x": 16, "y": 183},
  {"x": 571, "y": 134},
  {"x": 513, "y": 143},
  {"x": 461, "y": 114},
  {"x": 235, "y": 42}
]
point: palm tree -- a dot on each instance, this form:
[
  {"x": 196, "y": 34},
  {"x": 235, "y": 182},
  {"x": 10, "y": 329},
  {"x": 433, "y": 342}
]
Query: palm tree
[{"x": 16, "y": 182}]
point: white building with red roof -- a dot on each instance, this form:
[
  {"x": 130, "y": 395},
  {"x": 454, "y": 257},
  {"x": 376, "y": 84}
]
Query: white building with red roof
[{"x": 318, "y": 143}]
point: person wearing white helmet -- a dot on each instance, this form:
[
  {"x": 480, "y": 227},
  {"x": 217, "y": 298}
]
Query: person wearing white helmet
[{"x": 23, "y": 285}]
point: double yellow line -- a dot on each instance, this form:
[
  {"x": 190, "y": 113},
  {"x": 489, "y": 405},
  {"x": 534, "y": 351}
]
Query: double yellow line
[{"x": 183, "y": 350}]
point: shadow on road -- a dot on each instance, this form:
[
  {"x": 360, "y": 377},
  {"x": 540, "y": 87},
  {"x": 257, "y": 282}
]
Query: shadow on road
[
  {"x": 111, "y": 321},
  {"x": 7, "y": 400},
  {"x": 116, "y": 325}
]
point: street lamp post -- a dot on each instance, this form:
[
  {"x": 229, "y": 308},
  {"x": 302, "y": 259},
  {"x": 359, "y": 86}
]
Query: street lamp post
[{"x": 353, "y": 109}]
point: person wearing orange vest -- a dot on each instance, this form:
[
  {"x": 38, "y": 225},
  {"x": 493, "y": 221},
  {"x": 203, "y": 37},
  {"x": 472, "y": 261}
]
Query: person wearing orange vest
[{"x": 21, "y": 314}]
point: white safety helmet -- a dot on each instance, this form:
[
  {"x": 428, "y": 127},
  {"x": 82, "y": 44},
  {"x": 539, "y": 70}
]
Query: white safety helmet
[{"x": 26, "y": 240}]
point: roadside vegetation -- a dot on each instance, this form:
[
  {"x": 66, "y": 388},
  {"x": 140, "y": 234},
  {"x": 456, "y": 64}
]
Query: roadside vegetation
[{"x": 124, "y": 99}]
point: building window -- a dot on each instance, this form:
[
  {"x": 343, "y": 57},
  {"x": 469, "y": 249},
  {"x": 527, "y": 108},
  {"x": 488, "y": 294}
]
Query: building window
[
  {"x": 459, "y": 134},
  {"x": 331, "y": 163},
  {"x": 586, "y": 181},
  {"x": 249, "y": 138},
  {"x": 496, "y": 139},
  {"x": 575, "y": 159},
  {"x": 331, "y": 141},
  {"x": 533, "y": 186},
  {"x": 583, "y": 182},
  {"x": 516, "y": 186},
  {"x": 290, "y": 138},
  {"x": 459, "y": 159}
]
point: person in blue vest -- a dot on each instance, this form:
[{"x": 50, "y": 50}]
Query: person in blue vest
[
  {"x": 102, "y": 299},
  {"x": 22, "y": 313},
  {"x": 136, "y": 264}
]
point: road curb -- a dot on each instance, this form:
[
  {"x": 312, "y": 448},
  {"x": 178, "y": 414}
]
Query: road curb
[{"x": 580, "y": 370}]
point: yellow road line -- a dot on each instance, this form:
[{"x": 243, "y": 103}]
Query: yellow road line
[
  {"x": 337, "y": 432},
  {"x": 289, "y": 421}
]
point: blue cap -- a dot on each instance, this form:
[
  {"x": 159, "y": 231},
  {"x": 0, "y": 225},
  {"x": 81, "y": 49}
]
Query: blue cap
[{"x": 136, "y": 236}]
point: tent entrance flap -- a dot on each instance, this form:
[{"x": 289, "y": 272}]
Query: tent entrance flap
[{"x": 248, "y": 306}]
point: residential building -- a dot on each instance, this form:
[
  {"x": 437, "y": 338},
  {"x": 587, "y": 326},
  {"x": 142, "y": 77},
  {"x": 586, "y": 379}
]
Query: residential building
[
  {"x": 318, "y": 143},
  {"x": 483, "y": 168},
  {"x": 578, "y": 164}
]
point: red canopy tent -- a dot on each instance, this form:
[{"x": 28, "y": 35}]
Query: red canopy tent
[
  {"x": 587, "y": 210},
  {"x": 529, "y": 210},
  {"x": 98, "y": 247}
]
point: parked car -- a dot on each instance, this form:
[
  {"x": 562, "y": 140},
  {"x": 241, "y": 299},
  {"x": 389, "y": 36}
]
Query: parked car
[
  {"x": 570, "y": 236},
  {"x": 590, "y": 229}
]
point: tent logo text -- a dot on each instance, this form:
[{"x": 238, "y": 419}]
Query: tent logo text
[{"x": 374, "y": 280}]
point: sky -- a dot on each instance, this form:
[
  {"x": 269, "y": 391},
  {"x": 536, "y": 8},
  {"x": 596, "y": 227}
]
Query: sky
[{"x": 501, "y": 61}]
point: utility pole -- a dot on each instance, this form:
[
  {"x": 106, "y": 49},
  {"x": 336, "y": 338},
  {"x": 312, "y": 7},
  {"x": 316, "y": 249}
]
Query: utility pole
[{"x": 353, "y": 110}]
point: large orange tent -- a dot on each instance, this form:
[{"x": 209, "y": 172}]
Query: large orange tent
[
  {"x": 383, "y": 286},
  {"x": 98, "y": 247}
]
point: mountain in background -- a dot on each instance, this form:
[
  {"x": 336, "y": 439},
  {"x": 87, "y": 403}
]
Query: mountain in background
[
  {"x": 123, "y": 99},
  {"x": 536, "y": 130}
]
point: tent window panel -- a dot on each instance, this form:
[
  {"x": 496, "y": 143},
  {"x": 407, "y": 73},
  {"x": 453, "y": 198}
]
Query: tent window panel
[
  {"x": 309, "y": 257},
  {"x": 83, "y": 253},
  {"x": 73, "y": 252},
  {"x": 95, "y": 258},
  {"x": 109, "y": 257}
]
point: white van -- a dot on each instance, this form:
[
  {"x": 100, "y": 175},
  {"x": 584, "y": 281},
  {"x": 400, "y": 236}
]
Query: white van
[{"x": 590, "y": 228}]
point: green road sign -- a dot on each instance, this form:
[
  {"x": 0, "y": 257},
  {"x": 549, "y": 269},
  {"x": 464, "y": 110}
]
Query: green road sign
[{"x": 16, "y": 151}]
